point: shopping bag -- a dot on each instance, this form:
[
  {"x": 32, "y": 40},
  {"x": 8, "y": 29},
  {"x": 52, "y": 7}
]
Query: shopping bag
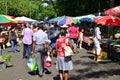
[
  {"x": 32, "y": 64},
  {"x": 8, "y": 44},
  {"x": 48, "y": 61},
  {"x": 68, "y": 51}
]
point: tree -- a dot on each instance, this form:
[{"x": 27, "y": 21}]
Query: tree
[{"x": 81, "y": 7}]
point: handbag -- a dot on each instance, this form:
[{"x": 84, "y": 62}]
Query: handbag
[{"x": 67, "y": 50}]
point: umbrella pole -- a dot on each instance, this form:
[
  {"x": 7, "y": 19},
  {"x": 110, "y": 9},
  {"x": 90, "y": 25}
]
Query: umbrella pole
[{"x": 108, "y": 31}]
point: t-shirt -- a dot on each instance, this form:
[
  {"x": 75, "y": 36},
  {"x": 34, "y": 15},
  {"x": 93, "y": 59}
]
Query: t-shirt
[
  {"x": 73, "y": 32},
  {"x": 13, "y": 35},
  {"x": 27, "y": 36},
  {"x": 60, "y": 44}
]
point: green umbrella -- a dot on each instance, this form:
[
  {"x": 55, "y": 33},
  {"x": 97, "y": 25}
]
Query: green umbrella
[
  {"x": 6, "y": 19},
  {"x": 76, "y": 21}
]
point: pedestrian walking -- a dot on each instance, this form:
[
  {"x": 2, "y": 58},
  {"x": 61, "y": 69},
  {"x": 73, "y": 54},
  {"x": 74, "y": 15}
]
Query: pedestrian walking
[
  {"x": 63, "y": 64},
  {"x": 40, "y": 43},
  {"x": 73, "y": 35},
  {"x": 13, "y": 38},
  {"x": 27, "y": 34},
  {"x": 53, "y": 35}
]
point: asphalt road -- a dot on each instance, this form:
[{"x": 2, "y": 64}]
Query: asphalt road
[{"x": 84, "y": 68}]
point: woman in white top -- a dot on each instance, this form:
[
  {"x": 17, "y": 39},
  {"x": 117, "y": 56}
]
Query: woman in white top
[{"x": 97, "y": 41}]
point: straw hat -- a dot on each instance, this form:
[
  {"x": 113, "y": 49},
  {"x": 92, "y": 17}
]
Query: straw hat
[{"x": 64, "y": 26}]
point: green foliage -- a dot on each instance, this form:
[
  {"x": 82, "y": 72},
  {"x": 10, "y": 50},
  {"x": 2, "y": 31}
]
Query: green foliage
[
  {"x": 80, "y": 7},
  {"x": 36, "y": 10},
  {"x": 29, "y": 8},
  {"x": 7, "y": 57}
]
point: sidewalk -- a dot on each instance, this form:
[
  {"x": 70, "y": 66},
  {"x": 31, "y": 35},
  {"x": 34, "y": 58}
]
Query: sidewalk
[{"x": 84, "y": 69}]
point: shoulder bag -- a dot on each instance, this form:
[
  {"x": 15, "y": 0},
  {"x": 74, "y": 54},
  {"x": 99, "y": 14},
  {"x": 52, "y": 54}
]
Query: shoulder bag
[{"x": 67, "y": 49}]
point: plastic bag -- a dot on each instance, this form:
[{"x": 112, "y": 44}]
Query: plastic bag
[
  {"x": 32, "y": 64},
  {"x": 8, "y": 44},
  {"x": 48, "y": 61}
]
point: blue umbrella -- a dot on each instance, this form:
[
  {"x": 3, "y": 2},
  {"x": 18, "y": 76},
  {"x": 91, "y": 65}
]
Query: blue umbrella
[
  {"x": 87, "y": 19},
  {"x": 56, "y": 19}
]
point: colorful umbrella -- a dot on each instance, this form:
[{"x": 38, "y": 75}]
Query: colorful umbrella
[
  {"x": 108, "y": 20},
  {"x": 113, "y": 11},
  {"x": 68, "y": 21},
  {"x": 6, "y": 19},
  {"x": 75, "y": 21}
]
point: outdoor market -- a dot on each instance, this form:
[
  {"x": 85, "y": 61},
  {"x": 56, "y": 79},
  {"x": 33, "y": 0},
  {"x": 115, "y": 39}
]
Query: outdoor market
[{"x": 110, "y": 32}]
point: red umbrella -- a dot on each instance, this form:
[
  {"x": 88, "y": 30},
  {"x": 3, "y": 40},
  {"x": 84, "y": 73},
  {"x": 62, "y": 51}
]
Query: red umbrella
[
  {"x": 108, "y": 20},
  {"x": 113, "y": 11}
]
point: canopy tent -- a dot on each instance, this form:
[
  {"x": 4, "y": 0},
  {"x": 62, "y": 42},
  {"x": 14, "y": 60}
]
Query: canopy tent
[{"x": 25, "y": 19}]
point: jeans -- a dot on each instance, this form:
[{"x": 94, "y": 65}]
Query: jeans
[
  {"x": 26, "y": 50},
  {"x": 13, "y": 46}
]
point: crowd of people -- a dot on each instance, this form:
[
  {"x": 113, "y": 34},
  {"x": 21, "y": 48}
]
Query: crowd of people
[{"x": 39, "y": 39}]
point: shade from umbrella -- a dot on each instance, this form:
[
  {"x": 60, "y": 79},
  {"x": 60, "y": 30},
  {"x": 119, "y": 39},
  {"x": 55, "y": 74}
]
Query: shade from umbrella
[
  {"x": 6, "y": 19},
  {"x": 113, "y": 11},
  {"x": 108, "y": 20}
]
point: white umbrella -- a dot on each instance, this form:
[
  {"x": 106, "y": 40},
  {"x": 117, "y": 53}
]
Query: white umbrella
[{"x": 26, "y": 19}]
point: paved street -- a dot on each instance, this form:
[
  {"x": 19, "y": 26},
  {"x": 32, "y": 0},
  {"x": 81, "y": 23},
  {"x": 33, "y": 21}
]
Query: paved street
[{"x": 84, "y": 69}]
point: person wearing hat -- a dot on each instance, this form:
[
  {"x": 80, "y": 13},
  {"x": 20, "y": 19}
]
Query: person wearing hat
[{"x": 40, "y": 42}]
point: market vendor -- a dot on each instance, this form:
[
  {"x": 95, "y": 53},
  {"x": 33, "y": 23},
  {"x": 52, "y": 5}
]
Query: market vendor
[{"x": 97, "y": 41}]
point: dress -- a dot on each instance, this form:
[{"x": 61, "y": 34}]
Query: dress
[{"x": 63, "y": 63}]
